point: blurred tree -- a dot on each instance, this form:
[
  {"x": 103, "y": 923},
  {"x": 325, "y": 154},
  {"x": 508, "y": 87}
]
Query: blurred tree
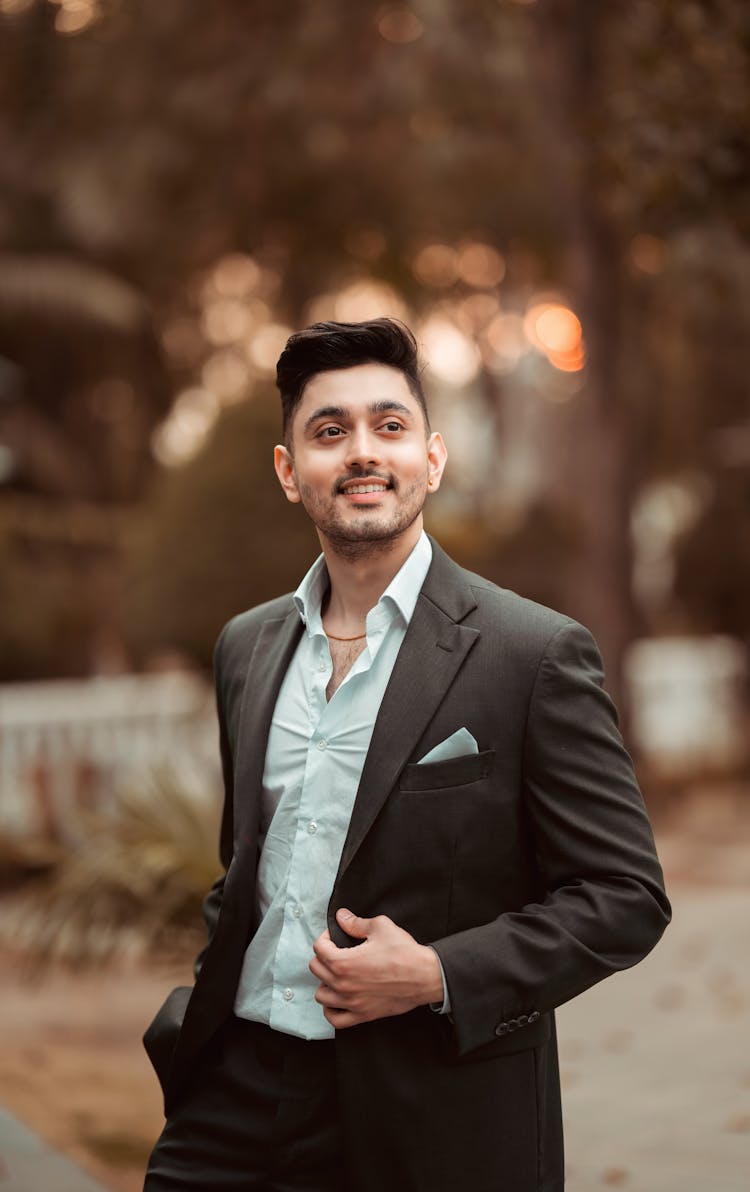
[
  {"x": 645, "y": 108},
  {"x": 217, "y": 537},
  {"x": 590, "y": 144}
]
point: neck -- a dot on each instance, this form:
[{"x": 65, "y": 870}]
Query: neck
[{"x": 358, "y": 583}]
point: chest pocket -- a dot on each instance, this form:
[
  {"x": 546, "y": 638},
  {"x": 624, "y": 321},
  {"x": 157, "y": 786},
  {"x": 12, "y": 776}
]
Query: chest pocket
[{"x": 456, "y": 771}]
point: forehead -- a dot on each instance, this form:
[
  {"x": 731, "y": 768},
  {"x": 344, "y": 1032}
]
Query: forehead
[{"x": 357, "y": 388}]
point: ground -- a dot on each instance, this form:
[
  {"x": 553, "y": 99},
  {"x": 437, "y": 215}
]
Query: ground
[{"x": 655, "y": 1065}]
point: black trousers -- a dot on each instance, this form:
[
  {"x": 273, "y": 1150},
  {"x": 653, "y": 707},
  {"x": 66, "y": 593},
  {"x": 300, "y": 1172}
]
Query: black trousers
[{"x": 260, "y": 1113}]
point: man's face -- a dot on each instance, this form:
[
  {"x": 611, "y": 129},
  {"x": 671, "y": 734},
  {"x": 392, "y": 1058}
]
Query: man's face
[{"x": 360, "y": 459}]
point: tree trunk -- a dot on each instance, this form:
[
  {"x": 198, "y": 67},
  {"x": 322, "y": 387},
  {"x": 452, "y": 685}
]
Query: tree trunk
[{"x": 599, "y": 473}]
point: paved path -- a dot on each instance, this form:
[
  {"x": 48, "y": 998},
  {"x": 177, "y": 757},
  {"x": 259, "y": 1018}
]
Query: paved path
[
  {"x": 655, "y": 1065},
  {"x": 655, "y": 1062},
  {"x": 28, "y": 1165}
]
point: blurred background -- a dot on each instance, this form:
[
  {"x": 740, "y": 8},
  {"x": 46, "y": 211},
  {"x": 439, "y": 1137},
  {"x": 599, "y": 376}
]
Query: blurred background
[{"x": 555, "y": 196}]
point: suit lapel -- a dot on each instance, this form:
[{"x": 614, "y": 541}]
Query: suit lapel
[
  {"x": 433, "y": 650},
  {"x": 268, "y": 664}
]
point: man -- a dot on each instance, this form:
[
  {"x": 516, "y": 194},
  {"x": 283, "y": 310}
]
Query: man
[{"x": 432, "y": 837}]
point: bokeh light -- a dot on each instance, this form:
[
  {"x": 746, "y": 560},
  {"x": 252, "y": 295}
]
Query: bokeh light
[
  {"x": 480, "y": 265},
  {"x": 399, "y": 24},
  {"x": 74, "y": 16},
  {"x": 12, "y": 8},
  {"x": 450, "y": 354},
  {"x": 366, "y": 298},
  {"x": 556, "y": 330},
  {"x": 180, "y": 437},
  {"x": 647, "y": 254},
  {"x": 436, "y": 265},
  {"x": 227, "y": 374},
  {"x": 266, "y": 345},
  {"x": 225, "y": 321},
  {"x": 507, "y": 342},
  {"x": 235, "y": 275}
]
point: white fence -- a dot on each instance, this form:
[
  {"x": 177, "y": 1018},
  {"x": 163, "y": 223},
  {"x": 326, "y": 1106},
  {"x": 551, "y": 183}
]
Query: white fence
[
  {"x": 71, "y": 746},
  {"x": 688, "y": 699}
]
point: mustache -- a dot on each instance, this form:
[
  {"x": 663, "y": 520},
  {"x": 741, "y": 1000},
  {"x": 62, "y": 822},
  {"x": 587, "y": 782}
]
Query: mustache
[{"x": 363, "y": 474}]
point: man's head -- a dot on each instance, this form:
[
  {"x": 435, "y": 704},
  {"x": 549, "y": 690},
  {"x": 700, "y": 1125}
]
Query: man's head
[
  {"x": 358, "y": 452},
  {"x": 325, "y": 347}
]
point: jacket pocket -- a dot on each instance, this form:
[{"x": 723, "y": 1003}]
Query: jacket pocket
[{"x": 456, "y": 771}]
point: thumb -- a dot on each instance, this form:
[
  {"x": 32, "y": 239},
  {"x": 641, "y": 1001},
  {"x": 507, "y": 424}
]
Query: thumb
[{"x": 352, "y": 924}]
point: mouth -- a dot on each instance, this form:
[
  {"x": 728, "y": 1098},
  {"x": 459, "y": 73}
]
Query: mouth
[{"x": 367, "y": 491}]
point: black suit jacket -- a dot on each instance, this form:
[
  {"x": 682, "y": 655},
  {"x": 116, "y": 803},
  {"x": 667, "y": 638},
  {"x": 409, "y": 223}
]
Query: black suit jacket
[{"x": 530, "y": 867}]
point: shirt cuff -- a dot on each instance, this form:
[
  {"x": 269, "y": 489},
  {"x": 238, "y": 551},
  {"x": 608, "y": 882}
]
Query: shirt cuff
[{"x": 445, "y": 1008}]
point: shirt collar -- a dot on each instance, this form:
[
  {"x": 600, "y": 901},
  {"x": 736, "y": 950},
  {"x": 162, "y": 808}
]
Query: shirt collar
[{"x": 401, "y": 594}]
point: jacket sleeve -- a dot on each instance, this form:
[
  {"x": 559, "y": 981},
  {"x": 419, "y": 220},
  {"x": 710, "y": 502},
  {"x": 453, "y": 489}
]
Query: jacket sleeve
[
  {"x": 212, "y": 901},
  {"x": 605, "y": 905}
]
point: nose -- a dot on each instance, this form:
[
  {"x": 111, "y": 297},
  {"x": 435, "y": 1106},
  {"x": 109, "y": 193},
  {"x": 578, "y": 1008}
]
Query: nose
[{"x": 362, "y": 447}]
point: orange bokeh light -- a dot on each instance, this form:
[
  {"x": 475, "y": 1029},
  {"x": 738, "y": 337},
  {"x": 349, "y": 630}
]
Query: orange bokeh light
[{"x": 556, "y": 331}]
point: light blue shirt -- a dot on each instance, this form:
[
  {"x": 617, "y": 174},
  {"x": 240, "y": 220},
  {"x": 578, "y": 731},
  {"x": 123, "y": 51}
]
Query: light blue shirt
[{"x": 314, "y": 759}]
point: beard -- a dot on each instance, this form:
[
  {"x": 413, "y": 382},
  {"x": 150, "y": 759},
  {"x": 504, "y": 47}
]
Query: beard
[{"x": 367, "y": 532}]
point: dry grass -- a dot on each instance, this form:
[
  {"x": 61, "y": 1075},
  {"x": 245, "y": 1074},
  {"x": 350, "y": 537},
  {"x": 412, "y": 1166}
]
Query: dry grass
[{"x": 133, "y": 886}]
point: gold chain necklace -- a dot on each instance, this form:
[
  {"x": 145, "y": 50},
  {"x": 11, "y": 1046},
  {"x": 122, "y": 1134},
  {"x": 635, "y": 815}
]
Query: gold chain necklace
[{"x": 357, "y": 637}]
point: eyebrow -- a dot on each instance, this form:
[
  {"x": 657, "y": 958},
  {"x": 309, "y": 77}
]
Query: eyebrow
[{"x": 384, "y": 406}]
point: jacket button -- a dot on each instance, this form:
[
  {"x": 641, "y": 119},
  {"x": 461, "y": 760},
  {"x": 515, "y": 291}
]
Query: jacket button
[
  {"x": 534, "y": 1016},
  {"x": 502, "y": 1029}
]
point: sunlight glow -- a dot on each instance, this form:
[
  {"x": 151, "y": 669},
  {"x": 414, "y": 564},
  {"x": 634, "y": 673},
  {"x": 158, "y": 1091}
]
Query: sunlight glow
[
  {"x": 74, "y": 16},
  {"x": 366, "y": 298},
  {"x": 450, "y": 355},
  {"x": 182, "y": 434},
  {"x": 225, "y": 321},
  {"x": 226, "y": 374},
  {"x": 556, "y": 331},
  {"x": 266, "y": 345}
]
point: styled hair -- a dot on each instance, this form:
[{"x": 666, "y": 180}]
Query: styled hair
[{"x": 327, "y": 346}]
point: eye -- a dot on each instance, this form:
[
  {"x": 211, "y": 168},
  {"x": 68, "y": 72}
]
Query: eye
[
  {"x": 392, "y": 425},
  {"x": 329, "y": 432}
]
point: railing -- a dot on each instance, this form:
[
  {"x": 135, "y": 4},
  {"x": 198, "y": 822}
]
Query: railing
[{"x": 71, "y": 746}]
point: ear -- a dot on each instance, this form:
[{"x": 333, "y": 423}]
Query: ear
[
  {"x": 284, "y": 465},
  {"x": 437, "y": 457}
]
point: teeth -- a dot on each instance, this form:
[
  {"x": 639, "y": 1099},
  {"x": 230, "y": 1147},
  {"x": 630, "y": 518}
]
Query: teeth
[{"x": 367, "y": 488}]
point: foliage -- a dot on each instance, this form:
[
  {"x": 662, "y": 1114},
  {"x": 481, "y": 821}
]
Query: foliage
[
  {"x": 600, "y": 148},
  {"x": 217, "y": 537},
  {"x": 134, "y": 884}
]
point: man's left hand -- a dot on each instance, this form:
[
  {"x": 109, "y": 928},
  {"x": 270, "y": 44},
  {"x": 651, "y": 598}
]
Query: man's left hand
[{"x": 388, "y": 974}]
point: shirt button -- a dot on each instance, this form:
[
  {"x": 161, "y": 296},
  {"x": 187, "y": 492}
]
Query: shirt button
[
  {"x": 312, "y": 827},
  {"x": 297, "y": 912},
  {"x": 288, "y": 995},
  {"x": 322, "y": 744},
  {"x": 322, "y": 665}
]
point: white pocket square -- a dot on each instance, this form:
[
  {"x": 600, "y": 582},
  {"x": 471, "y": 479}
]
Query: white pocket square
[{"x": 458, "y": 744}]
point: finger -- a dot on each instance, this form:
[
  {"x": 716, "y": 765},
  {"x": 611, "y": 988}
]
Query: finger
[
  {"x": 342, "y": 1019},
  {"x": 325, "y": 949},
  {"x": 330, "y": 998},
  {"x": 353, "y": 925},
  {"x": 322, "y": 938},
  {"x": 321, "y": 971}
]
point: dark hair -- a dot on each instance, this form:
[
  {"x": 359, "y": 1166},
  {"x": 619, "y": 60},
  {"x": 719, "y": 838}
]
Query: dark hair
[{"x": 327, "y": 346}]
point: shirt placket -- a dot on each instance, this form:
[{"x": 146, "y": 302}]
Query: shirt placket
[{"x": 309, "y": 852}]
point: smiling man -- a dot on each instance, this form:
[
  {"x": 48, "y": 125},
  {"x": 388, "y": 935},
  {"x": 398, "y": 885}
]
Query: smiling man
[{"x": 432, "y": 837}]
